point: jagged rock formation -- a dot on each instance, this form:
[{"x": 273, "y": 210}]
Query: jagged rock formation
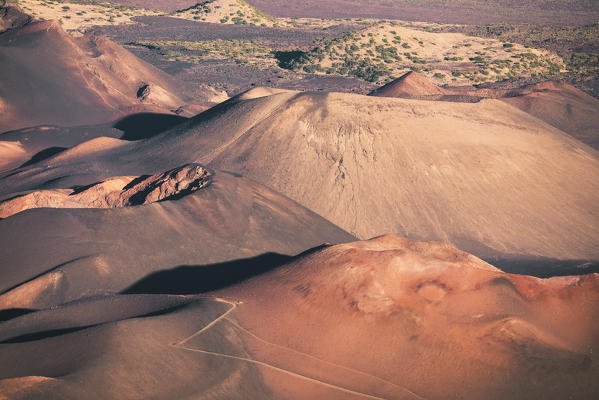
[{"x": 114, "y": 192}]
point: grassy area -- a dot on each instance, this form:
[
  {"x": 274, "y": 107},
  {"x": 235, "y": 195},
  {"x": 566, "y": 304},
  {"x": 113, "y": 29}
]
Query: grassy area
[{"x": 377, "y": 51}]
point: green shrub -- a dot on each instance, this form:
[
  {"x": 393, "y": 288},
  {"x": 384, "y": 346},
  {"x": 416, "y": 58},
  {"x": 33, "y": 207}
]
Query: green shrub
[{"x": 292, "y": 59}]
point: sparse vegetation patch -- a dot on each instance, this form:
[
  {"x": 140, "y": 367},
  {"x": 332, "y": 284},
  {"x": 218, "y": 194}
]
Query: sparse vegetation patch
[
  {"x": 387, "y": 49},
  {"x": 82, "y": 14},
  {"x": 239, "y": 51},
  {"x": 236, "y": 12},
  {"x": 577, "y": 46}
]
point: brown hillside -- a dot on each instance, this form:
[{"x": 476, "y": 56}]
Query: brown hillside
[
  {"x": 409, "y": 310},
  {"x": 83, "y": 80},
  {"x": 556, "y": 103},
  {"x": 419, "y": 321},
  {"x": 483, "y": 176},
  {"x": 183, "y": 217},
  {"x": 563, "y": 106}
]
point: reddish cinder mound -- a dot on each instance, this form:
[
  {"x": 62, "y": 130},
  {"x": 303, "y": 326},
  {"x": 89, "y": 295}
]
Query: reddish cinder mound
[
  {"x": 410, "y": 85},
  {"x": 387, "y": 318},
  {"x": 83, "y": 80},
  {"x": 395, "y": 318}
]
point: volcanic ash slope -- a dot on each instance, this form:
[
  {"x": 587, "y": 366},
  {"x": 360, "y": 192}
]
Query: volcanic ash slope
[
  {"x": 61, "y": 245},
  {"x": 484, "y": 176},
  {"x": 82, "y": 80}
]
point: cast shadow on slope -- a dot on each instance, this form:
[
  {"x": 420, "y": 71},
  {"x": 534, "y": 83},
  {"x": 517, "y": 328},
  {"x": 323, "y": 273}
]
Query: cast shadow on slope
[
  {"x": 146, "y": 125},
  {"x": 10, "y": 313},
  {"x": 45, "y": 334},
  {"x": 543, "y": 267},
  {"x": 195, "y": 279},
  {"x": 43, "y": 155},
  {"x": 133, "y": 127}
]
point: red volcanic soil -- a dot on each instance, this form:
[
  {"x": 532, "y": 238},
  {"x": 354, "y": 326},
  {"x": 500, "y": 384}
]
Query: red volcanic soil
[
  {"x": 83, "y": 80},
  {"x": 387, "y": 318},
  {"x": 419, "y": 320},
  {"x": 153, "y": 258}
]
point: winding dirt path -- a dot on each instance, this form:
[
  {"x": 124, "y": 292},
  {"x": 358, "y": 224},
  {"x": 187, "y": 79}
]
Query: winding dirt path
[{"x": 233, "y": 307}]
